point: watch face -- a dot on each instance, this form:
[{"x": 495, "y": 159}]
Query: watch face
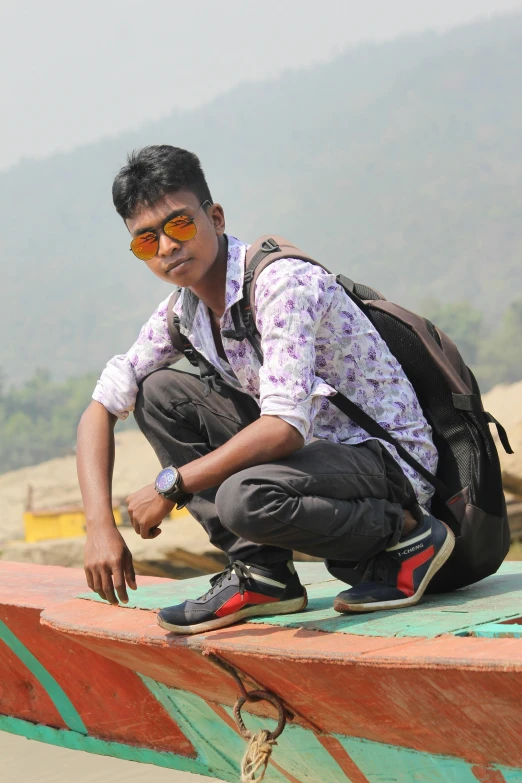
[{"x": 166, "y": 479}]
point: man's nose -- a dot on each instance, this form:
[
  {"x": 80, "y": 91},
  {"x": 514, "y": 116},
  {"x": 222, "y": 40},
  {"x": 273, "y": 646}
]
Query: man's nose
[{"x": 167, "y": 245}]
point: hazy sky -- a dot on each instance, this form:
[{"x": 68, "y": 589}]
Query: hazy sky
[{"x": 73, "y": 72}]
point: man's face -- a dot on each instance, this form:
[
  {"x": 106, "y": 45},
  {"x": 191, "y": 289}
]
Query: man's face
[{"x": 176, "y": 262}]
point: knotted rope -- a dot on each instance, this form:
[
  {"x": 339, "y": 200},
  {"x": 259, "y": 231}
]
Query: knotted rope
[
  {"x": 257, "y": 756},
  {"x": 260, "y": 745}
]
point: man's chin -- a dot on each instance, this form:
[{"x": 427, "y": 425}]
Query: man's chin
[{"x": 183, "y": 275}]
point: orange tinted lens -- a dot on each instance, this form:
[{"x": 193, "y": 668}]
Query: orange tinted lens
[
  {"x": 180, "y": 228},
  {"x": 145, "y": 246}
]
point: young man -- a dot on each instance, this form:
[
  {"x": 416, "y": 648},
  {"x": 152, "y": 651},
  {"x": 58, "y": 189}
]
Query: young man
[{"x": 263, "y": 461}]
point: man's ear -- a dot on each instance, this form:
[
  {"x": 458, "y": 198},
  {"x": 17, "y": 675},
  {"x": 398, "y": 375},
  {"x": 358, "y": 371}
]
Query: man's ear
[{"x": 217, "y": 215}]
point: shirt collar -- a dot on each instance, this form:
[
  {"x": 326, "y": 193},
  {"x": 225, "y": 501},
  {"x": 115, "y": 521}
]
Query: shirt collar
[{"x": 187, "y": 302}]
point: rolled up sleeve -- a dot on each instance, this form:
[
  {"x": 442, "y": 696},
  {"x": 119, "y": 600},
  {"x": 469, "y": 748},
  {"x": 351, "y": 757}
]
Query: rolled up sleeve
[
  {"x": 292, "y": 299},
  {"x": 117, "y": 387}
]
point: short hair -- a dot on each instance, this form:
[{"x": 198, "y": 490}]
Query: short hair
[{"x": 154, "y": 171}]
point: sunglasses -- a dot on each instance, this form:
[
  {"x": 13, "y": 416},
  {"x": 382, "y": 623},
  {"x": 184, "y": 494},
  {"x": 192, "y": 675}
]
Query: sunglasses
[{"x": 182, "y": 228}]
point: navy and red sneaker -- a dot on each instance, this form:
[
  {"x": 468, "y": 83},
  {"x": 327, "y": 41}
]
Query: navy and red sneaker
[
  {"x": 242, "y": 590},
  {"x": 398, "y": 576}
]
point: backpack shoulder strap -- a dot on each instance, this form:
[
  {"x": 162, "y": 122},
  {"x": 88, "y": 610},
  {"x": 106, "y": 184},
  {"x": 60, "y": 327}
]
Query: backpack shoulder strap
[
  {"x": 207, "y": 371},
  {"x": 173, "y": 322},
  {"x": 178, "y": 340},
  {"x": 262, "y": 253}
]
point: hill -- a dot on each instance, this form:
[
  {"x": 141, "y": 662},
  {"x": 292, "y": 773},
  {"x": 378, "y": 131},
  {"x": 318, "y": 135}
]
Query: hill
[{"x": 397, "y": 164}]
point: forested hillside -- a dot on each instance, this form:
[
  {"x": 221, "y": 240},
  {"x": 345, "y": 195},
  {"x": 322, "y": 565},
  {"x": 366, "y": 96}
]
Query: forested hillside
[{"x": 398, "y": 164}]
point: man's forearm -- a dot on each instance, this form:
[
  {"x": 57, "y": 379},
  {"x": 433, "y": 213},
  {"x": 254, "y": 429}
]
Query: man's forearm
[
  {"x": 266, "y": 440},
  {"x": 95, "y": 463}
]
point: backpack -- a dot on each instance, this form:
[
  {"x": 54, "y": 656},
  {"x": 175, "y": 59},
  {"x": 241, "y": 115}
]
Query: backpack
[{"x": 468, "y": 488}]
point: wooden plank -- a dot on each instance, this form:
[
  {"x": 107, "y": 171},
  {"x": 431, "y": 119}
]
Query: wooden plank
[
  {"x": 334, "y": 680},
  {"x": 88, "y": 692},
  {"x": 494, "y": 599},
  {"x": 158, "y": 593},
  {"x": 498, "y": 631}
]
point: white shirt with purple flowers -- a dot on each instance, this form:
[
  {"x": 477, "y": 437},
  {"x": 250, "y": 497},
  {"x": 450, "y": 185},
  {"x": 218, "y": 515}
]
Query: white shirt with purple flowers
[{"x": 315, "y": 341}]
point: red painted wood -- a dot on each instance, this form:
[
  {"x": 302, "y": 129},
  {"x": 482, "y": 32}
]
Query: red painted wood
[
  {"x": 37, "y": 586},
  {"x": 488, "y": 775},
  {"x": 446, "y": 695},
  {"x": 21, "y": 695},
  {"x": 406, "y": 692},
  {"x": 112, "y": 701},
  {"x": 25, "y": 584},
  {"x": 340, "y": 755},
  {"x": 466, "y": 713}
]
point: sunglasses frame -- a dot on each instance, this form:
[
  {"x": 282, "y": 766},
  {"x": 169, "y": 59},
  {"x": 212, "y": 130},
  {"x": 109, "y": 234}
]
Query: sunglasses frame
[{"x": 162, "y": 228}]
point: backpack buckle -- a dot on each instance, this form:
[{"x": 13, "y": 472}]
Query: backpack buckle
[{"x": 270, "y": 246}]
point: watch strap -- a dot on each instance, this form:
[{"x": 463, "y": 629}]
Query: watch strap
[{"x": 178, "y": 497}]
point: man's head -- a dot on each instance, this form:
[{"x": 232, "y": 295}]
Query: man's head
[{"x": 161, "y": 184}]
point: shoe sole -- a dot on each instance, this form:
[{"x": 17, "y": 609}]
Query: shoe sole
[
  {"x": 261, "y": 610},
  {"x": 437, "y": 563}
]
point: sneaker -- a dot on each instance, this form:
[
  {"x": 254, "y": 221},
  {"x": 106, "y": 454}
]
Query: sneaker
[
  {"x": 242, "y": 590},
  {"x": 399, "y": 576}
]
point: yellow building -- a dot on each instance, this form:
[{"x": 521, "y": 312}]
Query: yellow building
[{"x": 68, "y": 522}]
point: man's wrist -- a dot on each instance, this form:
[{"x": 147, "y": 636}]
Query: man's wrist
[
  {"x": 167, "y": 504},
  {"x": 99, "y": 520}
]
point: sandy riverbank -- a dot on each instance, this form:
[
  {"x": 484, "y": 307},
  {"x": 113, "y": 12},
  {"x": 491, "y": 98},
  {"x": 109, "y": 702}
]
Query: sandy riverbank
[{"x": 26, "y": 761}]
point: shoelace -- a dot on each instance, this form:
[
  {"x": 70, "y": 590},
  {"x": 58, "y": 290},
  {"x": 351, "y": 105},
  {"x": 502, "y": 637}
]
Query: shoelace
[
  {"x": 376, "y": 569},
  {"x": 238, "y": 568}
]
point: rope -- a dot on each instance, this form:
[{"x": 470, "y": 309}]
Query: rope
[
  {"x": 257, "y": 756},
  {"x": 260, "y": 744}
]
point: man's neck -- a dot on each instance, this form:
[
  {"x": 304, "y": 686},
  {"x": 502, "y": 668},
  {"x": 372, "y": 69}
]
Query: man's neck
[{"x": 212, "y": 288}]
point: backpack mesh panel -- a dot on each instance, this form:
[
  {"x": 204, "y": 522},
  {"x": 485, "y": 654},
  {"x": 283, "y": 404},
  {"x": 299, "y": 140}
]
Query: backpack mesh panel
[
  {"x": 365, "y": 292},
  {"x": 459, "y": 437}
]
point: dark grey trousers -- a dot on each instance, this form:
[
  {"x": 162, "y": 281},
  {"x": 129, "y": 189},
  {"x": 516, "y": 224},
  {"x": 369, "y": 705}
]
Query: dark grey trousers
[{"x": 339, "y": 502}]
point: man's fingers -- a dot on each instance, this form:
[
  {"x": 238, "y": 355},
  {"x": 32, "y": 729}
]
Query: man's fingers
[
  {"x": 97, "y": 585},
  {"x": 154, "y": 532},
  {"x": 90, "y": 580},
  {"x": 119, "y": 584},
  {"x": 130, "y": 575},
  {"x": 108, "y": 588}
]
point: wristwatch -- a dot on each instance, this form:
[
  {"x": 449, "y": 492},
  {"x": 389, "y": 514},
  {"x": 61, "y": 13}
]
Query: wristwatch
[{"x": 167, "y": 485}]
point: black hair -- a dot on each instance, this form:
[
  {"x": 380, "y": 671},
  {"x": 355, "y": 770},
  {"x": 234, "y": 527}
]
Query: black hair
[{"x": 154, "y": 171}]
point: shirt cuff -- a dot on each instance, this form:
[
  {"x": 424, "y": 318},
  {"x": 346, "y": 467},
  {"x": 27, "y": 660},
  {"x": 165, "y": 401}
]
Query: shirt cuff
[
  {"x": 117, "y": 388},
  {"x": 301, "y": 414}
]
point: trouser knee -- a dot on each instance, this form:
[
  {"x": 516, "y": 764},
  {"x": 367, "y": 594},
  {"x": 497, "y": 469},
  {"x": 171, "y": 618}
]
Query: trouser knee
[{"x": 240, "y": 503}]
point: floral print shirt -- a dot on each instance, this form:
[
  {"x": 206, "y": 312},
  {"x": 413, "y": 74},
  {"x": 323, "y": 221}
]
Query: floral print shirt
[{"x": 315, "y": 341}]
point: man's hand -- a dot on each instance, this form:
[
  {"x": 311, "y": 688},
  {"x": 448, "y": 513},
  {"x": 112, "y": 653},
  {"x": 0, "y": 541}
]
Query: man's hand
[
  {"x": 108, "y": 564},
  {"x": 147, "y": 510}
]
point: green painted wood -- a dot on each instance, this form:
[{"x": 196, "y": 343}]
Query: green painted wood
[
  {"x": 494, "y": 599},
  {"x": 382, "y": 763},
  {"x": 174, "y": 592},
  {"x": 219, "y": 748},
  {"x": 498, "y": 631},
  {"x": 61, "y": 701},
  {"x": 75, "y": 741},
  {"x": 497, "y": 598},
  {"x": 299, "y": 752},
  {"x": 511, "y": 775}
]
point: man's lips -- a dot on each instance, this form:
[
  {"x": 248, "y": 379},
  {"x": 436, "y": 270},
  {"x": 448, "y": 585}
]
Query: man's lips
[{"x": 175, "y": 264}]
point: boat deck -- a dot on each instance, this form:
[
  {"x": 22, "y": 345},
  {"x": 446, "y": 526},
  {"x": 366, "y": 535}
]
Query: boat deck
[
  {"x": 468, "y": 612},
  {"x": 428, "y": 693}
]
